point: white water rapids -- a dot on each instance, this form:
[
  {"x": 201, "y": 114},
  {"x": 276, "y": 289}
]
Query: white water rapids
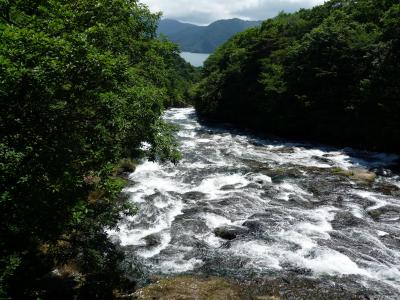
[{"x": 293, "y": 213}]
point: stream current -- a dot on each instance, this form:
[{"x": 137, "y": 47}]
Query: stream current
[{"x": 239, "y": 206}]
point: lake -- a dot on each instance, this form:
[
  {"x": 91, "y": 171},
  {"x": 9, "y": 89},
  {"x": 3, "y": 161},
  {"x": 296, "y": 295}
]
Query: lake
[{"x": 196, "y": 59}]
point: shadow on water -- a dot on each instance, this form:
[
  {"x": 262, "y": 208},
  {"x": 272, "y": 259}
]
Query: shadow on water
[{"x": 364, "y": 158}]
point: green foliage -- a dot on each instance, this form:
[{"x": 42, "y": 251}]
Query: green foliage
[
  {"x": 82, "y": 85},
  {"x": 329, "y": 73},
  {"x": 180, "y": 78}
]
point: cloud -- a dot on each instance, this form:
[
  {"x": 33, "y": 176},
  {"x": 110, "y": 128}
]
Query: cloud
[{"x": 207, "y": 11}]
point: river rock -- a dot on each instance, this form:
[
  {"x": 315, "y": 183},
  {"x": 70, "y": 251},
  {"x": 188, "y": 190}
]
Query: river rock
[
  {"x": 388, "y": 189},
  {"x": 358, "y": 175},
  {"x": 187, "y": 240},
  {"x": 346, "y": 219},
  {"x": 388, "y": 212},
  {"x": 229, "y": 232},
  {"x": 323, "y": 160},
  {"x": 195, "y": 225},
  {"x": 193, "y": 196},
  {"x": 254, "y": 225},
  {"x": 285, "y": 150},
  {"x": 188, "y": 288},
  {"x": 295, "y": 199},
  {"x": 153, "y": 240},
  {"x": 383, "y": 172},
  {"x": 228, "y": 187}
]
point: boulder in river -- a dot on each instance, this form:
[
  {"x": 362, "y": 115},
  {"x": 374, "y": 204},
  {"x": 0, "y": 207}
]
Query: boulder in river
[
  {"x": 346, "y": 219},
  {"x": 357, "y": 174},
  {"x": 254, "y": 225},
  {"x": 153, "y": 240},
  {"x": 229, "y": 232},
  {"x": 387, "y": 189},
  {"x": 193, "y": 196},
  {"x": 389, "y": 212}
]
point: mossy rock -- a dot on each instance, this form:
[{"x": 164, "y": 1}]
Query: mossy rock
[
  {"x": 388, "y": 189},
  {"x": 188, "y": 288},
  {"x": 356, "y": 174},
  {"x": 125, "y": 165},
  {"x": 375, "y": 214}
]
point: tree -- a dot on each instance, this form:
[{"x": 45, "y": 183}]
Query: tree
[
  {"x": 328, "y": 74},
  {"x": 82, "y": 85}
]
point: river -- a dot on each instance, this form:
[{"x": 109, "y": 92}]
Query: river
[{"x": 239, "y": 206}]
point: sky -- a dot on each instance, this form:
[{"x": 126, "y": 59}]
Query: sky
[{"x": 203, "y": 12}]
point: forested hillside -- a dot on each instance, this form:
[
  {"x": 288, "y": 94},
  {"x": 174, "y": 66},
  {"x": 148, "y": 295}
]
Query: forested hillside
[
  {"x": 82, "y": 86},
  {"x": 202, "y": 39},
  {"x": 330, "y": 73}
]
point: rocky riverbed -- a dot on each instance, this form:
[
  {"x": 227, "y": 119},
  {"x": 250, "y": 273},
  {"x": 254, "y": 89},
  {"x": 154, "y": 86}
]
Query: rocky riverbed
[{"x": 264, "y": 218}]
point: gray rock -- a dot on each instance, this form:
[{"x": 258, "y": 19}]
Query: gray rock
[
  {"x": 346, "y": 219},
  {"x": 254, "y": 225},
  {"x": 230, "y": 232},
  {"x": 193, "y": 196},
  {"x": 153, "y": 240},
  {"x": 228, "y": 187}
]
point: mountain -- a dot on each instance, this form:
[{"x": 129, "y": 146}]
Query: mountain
[
  {"x": 170, "y": 27},
  {"x": 202, "y": 39}
]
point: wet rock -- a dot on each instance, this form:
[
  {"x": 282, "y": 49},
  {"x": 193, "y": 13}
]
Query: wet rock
[
  {"x": 387, "y": 213},
  {"x": 286, "y": 150},
  {"x": 321, "y": 187},
  {"x": 356, "y": 174},
  {"x": 226, "y": 245},
  {"x": 253, "y": 185},
  {"x": 254, "y": 225},
  {"x": 337, "y": 200},
  {"x": 189, "y": 241},
  {"x": 153, "y": 240},
  {"x": 363, "y": 175},
  {"x": 115, "y": 239},
  {"x": 383, "y": 172},
  {"x": 279, "y": 174},
  {"x": 387, "y": 189},
  {"x": 300, "y": 201},
  {"x": 230, "y": 232},
  {"x": 320, "y": 159},
  {"x": 195, "y": 225},
  {"x": 266, "y": 214},
  {"x": 257, "y": 143},
  {"x": 228, "y": 187},
  {"x": 391, "y": 240},
  {"x": 297, "y": 286},
  {"x": 228, "y": 201},
  {"x": 375, "y": 214},
  {"x": 193, "y": 196},
  {"x": 346, "y": 219},
  {"x": 188, "y": 288},
  {"x": 297, "y": 270},
  {"x": 213, "y": 263}
]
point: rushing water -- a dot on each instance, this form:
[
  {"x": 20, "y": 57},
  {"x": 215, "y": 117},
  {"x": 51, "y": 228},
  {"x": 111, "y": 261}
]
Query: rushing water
[{"x": 293, "y": 213}]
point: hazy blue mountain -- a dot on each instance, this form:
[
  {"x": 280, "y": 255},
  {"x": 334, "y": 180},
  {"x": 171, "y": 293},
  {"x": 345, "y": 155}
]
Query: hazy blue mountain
[
  {"x": 202, "y": 39},
  {"x": 170, "y": 27}
]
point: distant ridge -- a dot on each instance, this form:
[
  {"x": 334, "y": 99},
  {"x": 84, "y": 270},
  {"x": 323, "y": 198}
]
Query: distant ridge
[{"x": 202, "y": 39}]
